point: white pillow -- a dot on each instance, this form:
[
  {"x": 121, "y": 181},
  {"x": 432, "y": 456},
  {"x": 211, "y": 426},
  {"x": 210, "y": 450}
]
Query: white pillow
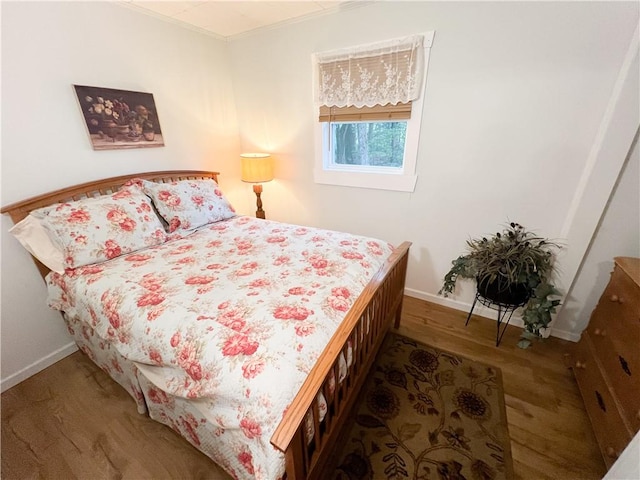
[{"x": 33, "y": 236}]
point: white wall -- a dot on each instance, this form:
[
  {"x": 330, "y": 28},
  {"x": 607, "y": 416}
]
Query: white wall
[
  {"x": 47, "y": 47},
  {"x": 618, "y": 235},
  {"x": 515, "y": 100}
]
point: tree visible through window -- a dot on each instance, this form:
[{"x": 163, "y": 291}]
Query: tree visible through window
[{"x": 377, "y": 144}]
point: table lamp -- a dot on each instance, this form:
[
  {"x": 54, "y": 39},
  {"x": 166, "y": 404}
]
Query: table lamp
[{"x": 257, "y": 168}]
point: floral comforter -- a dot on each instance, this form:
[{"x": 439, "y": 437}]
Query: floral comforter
[{"x": 234, "y": 316}]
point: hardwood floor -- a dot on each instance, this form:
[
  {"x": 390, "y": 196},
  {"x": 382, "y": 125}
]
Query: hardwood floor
[
  {"x": 72, "y": 421},
  {"x": 551, "y": 437}
]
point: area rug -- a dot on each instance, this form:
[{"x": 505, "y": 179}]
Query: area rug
[{"x": 426, "y": 414}]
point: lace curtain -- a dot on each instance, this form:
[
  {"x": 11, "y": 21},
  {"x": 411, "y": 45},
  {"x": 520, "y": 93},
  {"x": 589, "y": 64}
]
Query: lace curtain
[{"x": 376, "y": 74}]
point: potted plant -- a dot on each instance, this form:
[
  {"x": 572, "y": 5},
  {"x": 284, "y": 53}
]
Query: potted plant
[{"x": 512, "y": 267}]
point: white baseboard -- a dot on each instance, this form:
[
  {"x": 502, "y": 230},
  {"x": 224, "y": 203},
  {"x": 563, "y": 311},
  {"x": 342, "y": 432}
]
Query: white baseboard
[
  {"x": 37, "y": 366},
  {"x": 483, "y": 311}
]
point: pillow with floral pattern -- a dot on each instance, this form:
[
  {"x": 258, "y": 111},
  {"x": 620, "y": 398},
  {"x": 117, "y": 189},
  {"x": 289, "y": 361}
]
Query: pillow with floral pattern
[
  {"x": 189, "y": 204},
  {"x": 93, "y": 230}
]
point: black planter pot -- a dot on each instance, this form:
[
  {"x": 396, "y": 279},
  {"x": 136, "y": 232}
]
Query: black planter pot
[{"x": 502, "y": 292}]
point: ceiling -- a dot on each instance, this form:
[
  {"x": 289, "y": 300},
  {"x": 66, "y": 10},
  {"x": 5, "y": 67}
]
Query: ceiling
[{"x": 228, "y": 18}]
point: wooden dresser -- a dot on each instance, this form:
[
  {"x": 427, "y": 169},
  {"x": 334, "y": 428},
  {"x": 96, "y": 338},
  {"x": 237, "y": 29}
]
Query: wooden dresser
[{"x": 606, "y": 361}]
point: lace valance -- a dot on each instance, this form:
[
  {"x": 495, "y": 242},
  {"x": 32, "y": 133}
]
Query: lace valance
[{"x": 376, "y": 74}]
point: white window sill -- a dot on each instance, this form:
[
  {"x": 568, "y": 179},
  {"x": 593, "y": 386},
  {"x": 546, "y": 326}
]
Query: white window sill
[{"x": 380, "y": 181}]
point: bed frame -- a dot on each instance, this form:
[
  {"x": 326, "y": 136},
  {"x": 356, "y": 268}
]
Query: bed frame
[{"x": 358, "y": 337}]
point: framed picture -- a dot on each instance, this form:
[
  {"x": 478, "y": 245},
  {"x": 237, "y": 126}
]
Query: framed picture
[{"x": 119, "y": 119}]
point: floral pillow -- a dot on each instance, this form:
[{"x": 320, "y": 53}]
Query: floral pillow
[
  {"x": 189, "y": 204},
  {"x": 96, "y": 229}
]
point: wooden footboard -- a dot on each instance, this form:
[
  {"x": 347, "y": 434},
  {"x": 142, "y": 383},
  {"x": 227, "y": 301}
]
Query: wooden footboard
[{"x": 359, "y": 336}]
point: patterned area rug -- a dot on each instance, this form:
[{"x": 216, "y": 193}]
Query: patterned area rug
[{"x": 426, "y": 414}]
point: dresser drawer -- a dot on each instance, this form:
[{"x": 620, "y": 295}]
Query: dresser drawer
[
  {"x": 619, "y": 354},
  {"x": 614, "y": 331},
  {"x": 609, "y": 428},
  {"x": 621, "y": 298}
]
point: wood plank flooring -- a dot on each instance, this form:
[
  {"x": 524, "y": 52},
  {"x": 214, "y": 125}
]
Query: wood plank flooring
[{"x": 72, "y": 421}]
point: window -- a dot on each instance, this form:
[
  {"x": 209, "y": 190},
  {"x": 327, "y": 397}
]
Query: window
[
  {"x": 374, "y": 144},
  {"x": 367, "y": 135}
]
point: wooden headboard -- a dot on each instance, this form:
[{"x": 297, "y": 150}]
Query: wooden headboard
[{"x": 20, "y": 210}]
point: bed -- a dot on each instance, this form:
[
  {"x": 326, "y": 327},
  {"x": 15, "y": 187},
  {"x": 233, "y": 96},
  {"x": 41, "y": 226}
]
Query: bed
[{"x": 183, "y": 393}]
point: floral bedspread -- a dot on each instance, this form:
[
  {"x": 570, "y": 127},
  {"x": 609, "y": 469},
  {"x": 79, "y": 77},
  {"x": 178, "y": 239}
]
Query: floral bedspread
[{"x": 233, "y": 316}]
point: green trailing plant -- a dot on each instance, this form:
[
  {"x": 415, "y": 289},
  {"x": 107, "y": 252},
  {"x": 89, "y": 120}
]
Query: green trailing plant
[{"x": 513, "y": 257}]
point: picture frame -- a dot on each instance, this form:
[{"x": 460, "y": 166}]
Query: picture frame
[{"x": 119, "y": 119}]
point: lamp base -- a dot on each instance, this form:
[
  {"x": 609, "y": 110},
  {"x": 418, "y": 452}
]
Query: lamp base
[{"x": 257, "y": 189}]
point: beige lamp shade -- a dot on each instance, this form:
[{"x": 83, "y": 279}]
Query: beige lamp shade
[{"x": 256, "y": 167}]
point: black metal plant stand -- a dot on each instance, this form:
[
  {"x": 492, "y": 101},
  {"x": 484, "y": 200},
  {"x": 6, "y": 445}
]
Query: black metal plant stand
[{"x": 503, "y": 309}]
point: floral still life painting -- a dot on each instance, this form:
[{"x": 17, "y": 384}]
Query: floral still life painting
[{"x": 119, "y": 119}]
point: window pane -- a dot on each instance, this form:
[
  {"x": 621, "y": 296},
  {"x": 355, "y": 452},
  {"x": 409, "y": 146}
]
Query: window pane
[{"x": 376, "y": 144}]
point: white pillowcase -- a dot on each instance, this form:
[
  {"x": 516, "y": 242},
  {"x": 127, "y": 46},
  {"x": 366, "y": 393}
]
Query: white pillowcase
[{"x": 32, "y": 235}]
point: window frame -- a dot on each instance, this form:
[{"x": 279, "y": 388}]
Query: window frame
[{"x": 402, "y": 179}]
